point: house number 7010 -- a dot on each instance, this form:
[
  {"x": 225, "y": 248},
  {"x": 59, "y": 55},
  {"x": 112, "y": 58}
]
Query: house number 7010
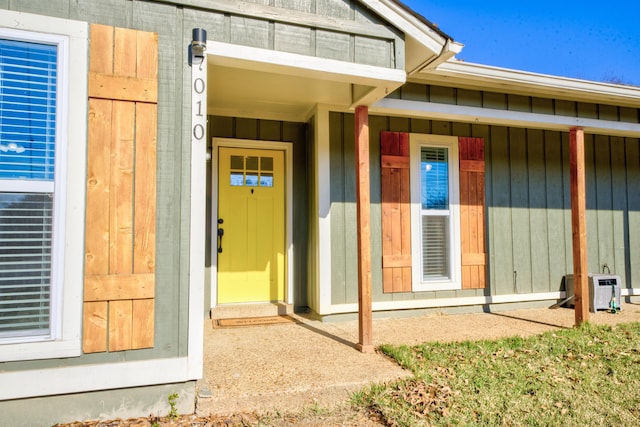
[{"x": 199, "y": 87}]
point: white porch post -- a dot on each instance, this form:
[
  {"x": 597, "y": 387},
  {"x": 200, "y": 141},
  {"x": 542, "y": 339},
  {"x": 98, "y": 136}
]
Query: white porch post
[{"x": 198, "y": 62}]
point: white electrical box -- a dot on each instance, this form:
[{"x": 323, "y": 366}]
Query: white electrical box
[{"x": 602, "y": 287}]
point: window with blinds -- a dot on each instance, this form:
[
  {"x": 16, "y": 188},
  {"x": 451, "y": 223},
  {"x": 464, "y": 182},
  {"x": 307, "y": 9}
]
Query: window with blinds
[
  {"x": 434, "y": 190},
  {"x": 28, "y": 99}
]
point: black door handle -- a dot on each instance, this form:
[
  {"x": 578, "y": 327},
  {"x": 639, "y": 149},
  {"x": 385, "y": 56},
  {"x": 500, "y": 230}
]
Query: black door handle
[{"x": 220, "y": 234}]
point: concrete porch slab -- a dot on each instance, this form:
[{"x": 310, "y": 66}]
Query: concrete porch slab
[{"x": 287, "y": 367}]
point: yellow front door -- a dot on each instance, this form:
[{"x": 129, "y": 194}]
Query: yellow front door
[{"x": 251, "y": 213}]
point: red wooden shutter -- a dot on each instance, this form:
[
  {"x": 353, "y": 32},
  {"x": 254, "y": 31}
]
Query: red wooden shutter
[
  {"x": 119, "y": 287},
  {"x": 396, "y": 212},
  {"x": 472, "y": 213}
]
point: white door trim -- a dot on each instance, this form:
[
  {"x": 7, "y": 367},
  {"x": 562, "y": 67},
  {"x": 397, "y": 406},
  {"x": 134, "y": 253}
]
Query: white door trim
[
  {"x": 322, "y": 217},
  {"x": 287, "y": 148}
]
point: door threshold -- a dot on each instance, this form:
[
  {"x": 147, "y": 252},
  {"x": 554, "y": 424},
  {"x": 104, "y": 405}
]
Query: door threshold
[{"x": 229, "y": 311}]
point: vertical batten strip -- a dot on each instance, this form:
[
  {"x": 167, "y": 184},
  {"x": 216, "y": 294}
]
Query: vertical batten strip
[
  {"x": 121, "y": 189},
  {"x": 145, "y": 189}
]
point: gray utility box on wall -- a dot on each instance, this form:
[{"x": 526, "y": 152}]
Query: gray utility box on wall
[{"x": 601, "y": 287}]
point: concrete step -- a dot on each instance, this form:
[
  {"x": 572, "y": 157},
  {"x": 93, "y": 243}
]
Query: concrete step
[{"x": 251, "y": 310}]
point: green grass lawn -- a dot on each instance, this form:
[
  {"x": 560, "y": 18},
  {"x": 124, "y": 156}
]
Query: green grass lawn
[{"x": 587, "y": 376}]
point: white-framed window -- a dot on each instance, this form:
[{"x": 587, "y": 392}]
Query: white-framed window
[
  {"x": 435, "y": 212},
  {"x": 43, "y": 116}
]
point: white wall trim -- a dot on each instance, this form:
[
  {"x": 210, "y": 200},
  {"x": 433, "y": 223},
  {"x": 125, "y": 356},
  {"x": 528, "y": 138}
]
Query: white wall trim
[
  {"x": 629, "y": 292},
  {"x": 447, "y": 302},
  {"x": 265, "y": 60},
  {"x": 77, "y": 379},
  {"x": 290, "y": 261},
  {"x": 478, "y": 115},
  {"x": 285, "y": 147},
  {"x": 461, "y": 301},
  {"x": 323, "y": 194}
]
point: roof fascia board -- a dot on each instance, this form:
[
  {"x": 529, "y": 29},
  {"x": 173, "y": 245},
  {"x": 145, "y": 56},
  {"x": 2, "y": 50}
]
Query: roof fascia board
[
  {"x": 271, "y": 61},
  {"x": 407, "y": 23},
  {"x": 488, "y": 116},
  {"x": 529, "y": 81},
  {"x": 449, "y": 50}
]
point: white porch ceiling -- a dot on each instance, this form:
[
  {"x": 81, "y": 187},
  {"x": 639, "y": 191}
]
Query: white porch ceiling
[
  {"x": 261, "y": 83},
  {"x": 249, "y": 93}
]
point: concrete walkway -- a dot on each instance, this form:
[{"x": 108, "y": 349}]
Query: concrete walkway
[{"x": 287, "y": 367}]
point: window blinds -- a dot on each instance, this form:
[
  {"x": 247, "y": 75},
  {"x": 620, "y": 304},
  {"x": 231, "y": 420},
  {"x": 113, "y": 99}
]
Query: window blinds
[
  {"x": 25, "y": 263},
  {"x": 435, "y": 247}
]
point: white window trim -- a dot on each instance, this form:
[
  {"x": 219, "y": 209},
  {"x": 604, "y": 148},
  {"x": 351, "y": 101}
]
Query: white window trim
[
  {"x": 417, "y": 141},
  {"x": 70, "y": 168}
]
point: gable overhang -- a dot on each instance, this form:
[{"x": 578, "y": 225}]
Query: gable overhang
[
  {"x": 254, "y": 82},
  {"x": 426, "y": 46},
  {"x": 410, "y": 23}
]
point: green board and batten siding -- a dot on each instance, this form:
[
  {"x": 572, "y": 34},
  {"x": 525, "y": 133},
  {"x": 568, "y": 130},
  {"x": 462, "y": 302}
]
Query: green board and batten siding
[
  {"x": 343, "y": 209},
  {"x": 527, "y": 195},
  {"x": 333, "y": 29},
  {"x": 345, "y": 24}
]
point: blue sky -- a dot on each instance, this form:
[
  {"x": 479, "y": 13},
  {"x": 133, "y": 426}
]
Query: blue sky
[{"x": 580, "y": 39}]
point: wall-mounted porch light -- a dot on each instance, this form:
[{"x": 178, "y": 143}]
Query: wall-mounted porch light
[{"x": 199, "y": 42}]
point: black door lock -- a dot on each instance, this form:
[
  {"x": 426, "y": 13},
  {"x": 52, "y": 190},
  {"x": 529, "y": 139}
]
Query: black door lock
[{"x": 220, "y": 234}]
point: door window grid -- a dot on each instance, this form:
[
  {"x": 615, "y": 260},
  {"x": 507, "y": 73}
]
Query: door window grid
[{"x": 251, "y": 171}]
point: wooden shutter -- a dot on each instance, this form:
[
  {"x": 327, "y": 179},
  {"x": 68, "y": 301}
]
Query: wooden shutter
[
  {"x": 120, "y": 235},
  {"x": 396, "y": 211},
  {"x": 472, "y": 213}
]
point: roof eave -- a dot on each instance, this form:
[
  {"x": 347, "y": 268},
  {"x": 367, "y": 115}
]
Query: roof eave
[
  {"x": 449, "y": 51},
  {"x": 485, "y": 77}
]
